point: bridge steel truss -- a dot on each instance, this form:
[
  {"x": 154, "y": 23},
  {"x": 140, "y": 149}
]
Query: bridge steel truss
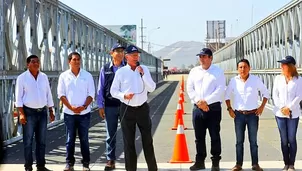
[
  {"x": 270, "y": 40},
  {"x": 50, "y": 30}
]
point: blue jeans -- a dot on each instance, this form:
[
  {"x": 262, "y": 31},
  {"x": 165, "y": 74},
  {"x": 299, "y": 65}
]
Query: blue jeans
[
  {"x": 252, "y": 123},
  {"x": 36, "y": 124},
  {"x": 288, "y": 130},
  {"x": 112, "y": 116},
  {"x": 73, "y": 124},
  {"x": 207, "y": 120}
]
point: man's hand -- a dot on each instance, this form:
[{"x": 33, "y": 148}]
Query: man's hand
[
  {"x": 259, "y": 111},
  {"x": 80, "y": 109},
  {"x": 102, "y": 113},
  {"x": 201, "y": 104},
  {"x": 128, "y": 96},
  {"x": 285, "y": 111},
  {"x": 51, "y": 116},
  {"x": 140, "y": 70},
  {"x": 75, "y": 110},
  {"x": 22, "y": 119},
  {"x": 232, "y": 113}
]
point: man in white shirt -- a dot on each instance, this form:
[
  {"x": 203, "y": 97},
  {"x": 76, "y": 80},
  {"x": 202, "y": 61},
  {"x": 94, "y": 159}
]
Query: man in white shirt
[
  {"x": 131, "y": 85},
  {"x": 33, "y": 98},
  {"x": 205, "y": 87},
  {"x": 76, "y": 90},
  {"x": 245, "y": 88}
]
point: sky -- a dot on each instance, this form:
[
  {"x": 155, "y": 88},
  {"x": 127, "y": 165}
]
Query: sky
[{"x": 179, "y": 20}]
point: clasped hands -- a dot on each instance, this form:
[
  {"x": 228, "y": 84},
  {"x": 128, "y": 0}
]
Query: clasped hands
[
  {"x": 285, "y": 111},
  {"x": 203, "y": 105},
  {"x": 77, "y": 110}
]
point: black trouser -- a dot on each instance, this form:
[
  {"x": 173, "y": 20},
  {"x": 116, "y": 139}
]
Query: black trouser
[
  {"x": 203, "y": 121},
  {"x": 129, "y": 119}
]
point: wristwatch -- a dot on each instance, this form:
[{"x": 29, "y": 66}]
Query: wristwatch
[
  {"x": 85, "y": 107},
  {"x": 229, "y": 108}
]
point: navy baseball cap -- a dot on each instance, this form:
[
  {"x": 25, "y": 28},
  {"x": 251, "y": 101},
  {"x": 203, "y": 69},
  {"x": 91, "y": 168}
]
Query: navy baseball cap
[
  {"x": 205, "y": 51},
  {"x": 288, "y": 60},
  {"x": 117, "y": 46},
  {"x": 132, "y": 49}
]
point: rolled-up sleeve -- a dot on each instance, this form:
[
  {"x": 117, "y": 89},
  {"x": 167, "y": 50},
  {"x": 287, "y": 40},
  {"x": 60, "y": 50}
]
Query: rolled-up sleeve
[
  {"x": 61, "y": 87},
  {"x": 91, "y": 87},
  {"x": 190, "y": 87},
  {"x": 115, "y": 89},
  {"x": 19, "y": 91},
  {"x": 275, "y": 94},
  {"x": 229, "y": 90},
  {"x": 149, "y": 83},
  {"x": 262, "y": 88},
  {"x": 49, "y": 95},
  {"x": 298, "y": 96}
]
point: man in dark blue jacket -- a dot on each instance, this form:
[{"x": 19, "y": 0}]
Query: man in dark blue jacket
[{"x": 109, "y": 106}]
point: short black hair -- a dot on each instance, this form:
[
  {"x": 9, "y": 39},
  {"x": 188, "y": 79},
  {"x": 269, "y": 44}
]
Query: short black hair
[
  {"x": 73, "y": 53},
  {"x": 245, "y": 61},
  {"x": 31, "y": 57}
]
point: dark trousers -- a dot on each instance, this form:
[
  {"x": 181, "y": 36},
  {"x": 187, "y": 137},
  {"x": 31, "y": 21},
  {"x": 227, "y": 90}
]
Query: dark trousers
[
  {"x": 36, "y": 125},
  {"x": 112, "y": 115},
  {"x": 203, "y": 121},
  {"x": 129, "y": 119},
  {"x": 252, "y": 122},
  {"x": 288, "y": 132},
  {"x": 73, "y": 124}
]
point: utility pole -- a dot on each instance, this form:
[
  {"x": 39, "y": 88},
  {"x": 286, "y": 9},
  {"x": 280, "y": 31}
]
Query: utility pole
[{"x": 142, "y": 34}]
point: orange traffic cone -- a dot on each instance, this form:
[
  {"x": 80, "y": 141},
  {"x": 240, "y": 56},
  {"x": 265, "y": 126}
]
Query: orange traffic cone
[
  {"x": 182, "y": 83},
  {"x": 180, "y": 152},
  {"x": 181, "y": 105},
  {"x": 181, "y": 94},
  {"x": 178, "y": 117}
]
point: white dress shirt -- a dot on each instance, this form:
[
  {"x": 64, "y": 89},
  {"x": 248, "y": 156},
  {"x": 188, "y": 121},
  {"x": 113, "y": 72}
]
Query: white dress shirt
[
  {"x": 208, "y": 85},
  {"x": 76, "y": 89},
  {"x": 287, "y": 95},
  {"x": 31, "y": 92},
  {"x": 245, "y": 94},
  {"x": 128, "y": 81}
]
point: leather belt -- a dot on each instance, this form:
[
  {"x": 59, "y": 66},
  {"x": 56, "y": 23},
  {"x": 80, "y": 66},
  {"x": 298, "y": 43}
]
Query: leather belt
[
  {"x": 36, "y": 109},
  {"x": 246, "y": 112},
  {"x": 135, "y": 107}
]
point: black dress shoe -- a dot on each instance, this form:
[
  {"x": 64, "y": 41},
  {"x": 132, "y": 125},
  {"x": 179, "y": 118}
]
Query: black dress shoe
[
  {"x": 110, "y": 165},
  {"x": 28, "y": 169},
  {"x": 42, "y": 169},
  {"x": 198, "y": 166}
]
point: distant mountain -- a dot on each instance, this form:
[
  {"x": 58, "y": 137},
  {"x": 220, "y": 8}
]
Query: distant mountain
[{"x": 182, "y": 53}]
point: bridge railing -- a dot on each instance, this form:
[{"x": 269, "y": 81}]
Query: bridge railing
[
  {"x": 51, "y": 30},
  {"x": 270, "y": 40}
]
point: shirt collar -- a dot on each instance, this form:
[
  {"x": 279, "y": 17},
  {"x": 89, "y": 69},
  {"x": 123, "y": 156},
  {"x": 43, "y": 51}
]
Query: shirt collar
[
  {"x": 122, "y": 64},
  {"x": 81, "y": 71},
  {"x": 28, "y": 72},
  {"x": 239, "y": 78},
  {"x": 211, "y": 67}
]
